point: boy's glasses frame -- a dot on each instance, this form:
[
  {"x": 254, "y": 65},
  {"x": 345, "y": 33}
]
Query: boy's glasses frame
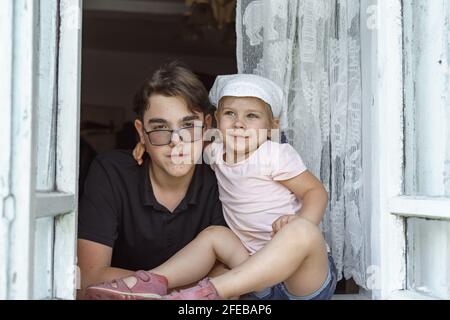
[{"x": 164, "y": 137}]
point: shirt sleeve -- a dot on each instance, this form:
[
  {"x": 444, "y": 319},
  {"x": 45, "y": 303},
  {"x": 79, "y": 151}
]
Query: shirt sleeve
[
  {"x": 286, "y": 163},
  {"x": 98, "y": 217}
]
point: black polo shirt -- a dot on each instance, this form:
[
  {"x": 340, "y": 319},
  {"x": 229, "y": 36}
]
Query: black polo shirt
[{"x": 119, "y": 209}]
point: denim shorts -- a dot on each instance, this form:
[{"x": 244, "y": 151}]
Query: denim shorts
[{"x": 280, "y": 292}]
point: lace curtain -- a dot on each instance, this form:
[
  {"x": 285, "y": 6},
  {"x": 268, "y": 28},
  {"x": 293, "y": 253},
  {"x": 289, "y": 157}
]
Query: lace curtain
[{"x": 311, "y": 48}]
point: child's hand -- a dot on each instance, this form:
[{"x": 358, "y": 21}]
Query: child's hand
[
  {"x": 281, "y": 222},
  {"x": 138, "y": 153}
]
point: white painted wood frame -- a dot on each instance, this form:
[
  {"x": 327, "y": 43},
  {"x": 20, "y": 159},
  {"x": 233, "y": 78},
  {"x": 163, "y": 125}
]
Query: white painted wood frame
[
  {"x": 427, "y": 141},
  {"x": 390, "y": 208},
  {"x": 46, "y": 33},
  {"x": 67, "y": 152},
  {"x": 421, "y": 207},
  {"x": 388, "y": 231},
  {"x": 20, "y": 259},
  {"x": 39, "y": 265},
  {"x": 6, "y": 200}
]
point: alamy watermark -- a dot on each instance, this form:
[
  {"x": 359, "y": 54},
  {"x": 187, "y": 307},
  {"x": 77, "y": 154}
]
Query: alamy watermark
[{"x": 231, "y": 146}]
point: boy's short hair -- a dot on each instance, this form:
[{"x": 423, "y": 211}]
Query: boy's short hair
[{"x": 173, "y": 80}]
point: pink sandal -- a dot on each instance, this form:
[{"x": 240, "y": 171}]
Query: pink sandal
[
  {"x": 204, "y": 290},
  {"x": 148, "y": 286}
]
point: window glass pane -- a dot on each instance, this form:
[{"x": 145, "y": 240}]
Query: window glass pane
[
  {"x": 427, "y": 97},
  {"x": 429, "y": 257}
]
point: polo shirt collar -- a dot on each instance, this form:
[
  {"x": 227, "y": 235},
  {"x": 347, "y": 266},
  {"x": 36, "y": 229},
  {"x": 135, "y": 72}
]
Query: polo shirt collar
[
  {"x": 194, "y": 189},
  {"x": 147, "y": 194}
]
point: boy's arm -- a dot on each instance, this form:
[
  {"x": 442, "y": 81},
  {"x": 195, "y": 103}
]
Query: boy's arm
[
  {"x": 310, "y": 191},
  {"x": 94, "y": 261}
]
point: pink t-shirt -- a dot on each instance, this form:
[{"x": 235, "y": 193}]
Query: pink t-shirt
[{"x": 252, "y": 198}]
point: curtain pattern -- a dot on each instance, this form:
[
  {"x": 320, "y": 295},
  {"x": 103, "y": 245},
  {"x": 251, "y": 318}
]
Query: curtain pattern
[{"x": 311, "y": 48}]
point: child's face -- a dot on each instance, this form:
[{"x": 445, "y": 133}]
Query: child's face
[{"x": 245, "y": 123}]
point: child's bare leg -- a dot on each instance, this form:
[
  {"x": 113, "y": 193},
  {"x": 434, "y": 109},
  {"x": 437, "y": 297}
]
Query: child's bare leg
[
  {"x": 196, "y": 259},
  {"x": 297, "y": 255}
]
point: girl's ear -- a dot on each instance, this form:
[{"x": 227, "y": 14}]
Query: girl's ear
[
  {"x": 275, "y": 126},
  {"x": 276, "y": 123},
  {"x": 138, "y": 125}
]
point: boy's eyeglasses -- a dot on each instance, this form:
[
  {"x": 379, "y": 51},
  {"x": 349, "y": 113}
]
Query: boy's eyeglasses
[{"x": 164, "y": 137}]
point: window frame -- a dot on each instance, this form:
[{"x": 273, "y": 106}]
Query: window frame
[
  {"x": 20, "y": 203},
  {"x": 6, "y": 208},
  {"x": 390, "y": 207}
]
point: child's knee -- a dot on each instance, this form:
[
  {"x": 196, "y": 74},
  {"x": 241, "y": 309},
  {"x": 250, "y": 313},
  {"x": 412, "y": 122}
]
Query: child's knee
[
  {"x": 217, "y": 231},
  {"x": 306, "y": 232}
]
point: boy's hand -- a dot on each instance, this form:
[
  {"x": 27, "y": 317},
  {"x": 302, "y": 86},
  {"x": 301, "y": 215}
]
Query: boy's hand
[
  {"x": 138, "y": 153},
  {"x": 281, "y": 222}
]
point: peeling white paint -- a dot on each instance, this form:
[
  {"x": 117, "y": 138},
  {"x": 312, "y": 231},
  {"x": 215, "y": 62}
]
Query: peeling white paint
[
  {"x": 35, "y": 263},
  {"x": 427, "y": 108},
  {"x": 47, "y": 91},
  {"x": 428, "y": 95},
  {"x": 421, "y": 135},
  {"x": 23, "y": 92},
  {"x": 69, "y": 82},
  {"x": 47, "y": 34},
  {"x": 388, "y": 243},
  {"x": 43, "y": 260},
  {"x": 6, "y": 14}
]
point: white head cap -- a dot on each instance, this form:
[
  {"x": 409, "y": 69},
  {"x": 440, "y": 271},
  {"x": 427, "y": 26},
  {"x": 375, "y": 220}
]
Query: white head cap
[{"x": 248, "y": 85}]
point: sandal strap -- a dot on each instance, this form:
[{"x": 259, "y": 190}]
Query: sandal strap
[{"x": 143, "y": 275}]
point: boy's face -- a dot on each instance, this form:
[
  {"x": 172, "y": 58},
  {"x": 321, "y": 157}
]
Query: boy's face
[
  {"x": 245, "y": 123},
  {"x": 176, "y": 153}
]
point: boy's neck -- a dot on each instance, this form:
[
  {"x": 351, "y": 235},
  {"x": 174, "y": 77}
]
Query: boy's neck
[{"x": 170, "y": 183}]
